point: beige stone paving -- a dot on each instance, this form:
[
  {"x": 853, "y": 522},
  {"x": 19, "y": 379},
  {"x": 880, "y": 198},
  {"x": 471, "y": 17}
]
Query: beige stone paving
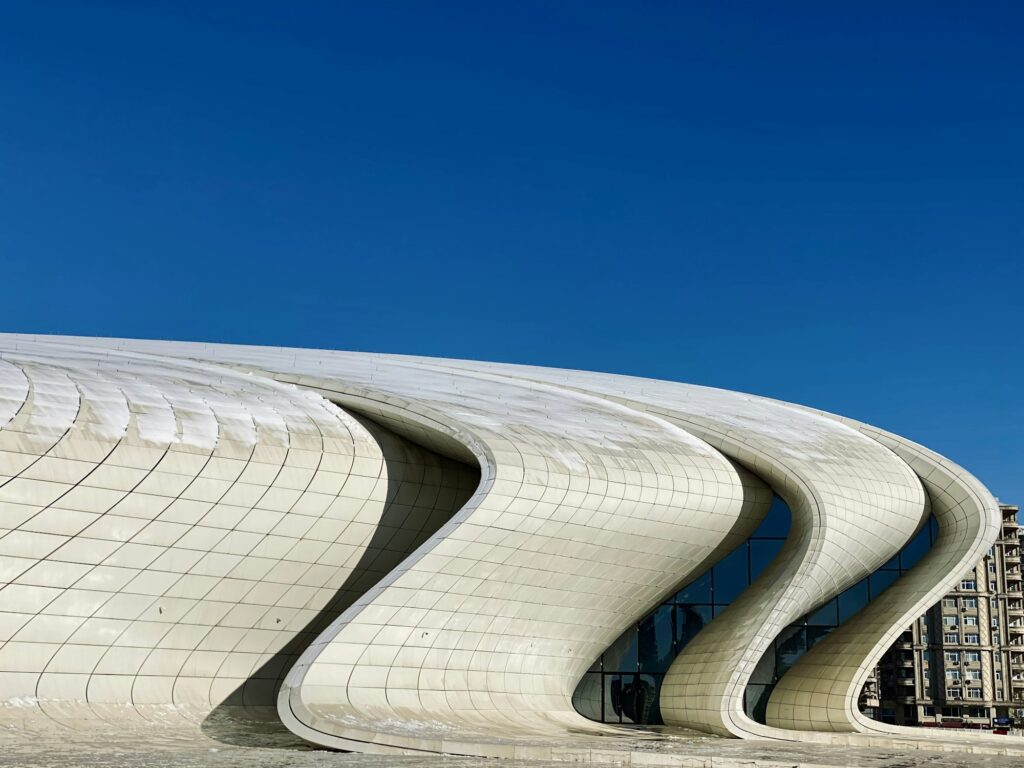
[{"x": 219, "y": 746}]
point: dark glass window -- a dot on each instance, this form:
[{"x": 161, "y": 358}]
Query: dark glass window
[
  {"x": 732, "y": 575},
  {"x": 699, "y": 591},
  {"x": 762, "y": 552},
  {"x": 825, "y": 616},
  {"x": 916, "y": 548},
  {"x": 852, "y": 600},
  {"x": 623, "y": 684},
  {"x": 879, "y": 581},
  {"x": 656, "y": 639}
]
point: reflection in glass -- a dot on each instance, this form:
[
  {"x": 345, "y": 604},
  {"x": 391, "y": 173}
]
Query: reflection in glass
[
  {"x": 586, "y": 699},
  {"x": 690, "y": 619},
  {"x": 790, "y": 646},
  {"x": 622, "y": 656},
  {"x": 624, "y": 683},
  {"x": 698, "y": 591},
  {"x": 656, "y": 642}
]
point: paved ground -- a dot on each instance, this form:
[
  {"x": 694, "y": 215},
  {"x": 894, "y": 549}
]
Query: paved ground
[
  {"x": 162, "y": 754},
  {"x": 161, "y": 746}
]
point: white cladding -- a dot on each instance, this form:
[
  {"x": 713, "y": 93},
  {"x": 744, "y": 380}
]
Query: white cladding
[{"x": 427, "y": 555}]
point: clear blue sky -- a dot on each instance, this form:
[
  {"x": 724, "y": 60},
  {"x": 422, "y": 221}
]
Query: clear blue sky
[{"x": 816, "y": 201}]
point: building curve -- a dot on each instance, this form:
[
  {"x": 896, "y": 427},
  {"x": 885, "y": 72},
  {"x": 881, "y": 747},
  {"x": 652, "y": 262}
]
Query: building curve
[{"x": 413, "y": 554}]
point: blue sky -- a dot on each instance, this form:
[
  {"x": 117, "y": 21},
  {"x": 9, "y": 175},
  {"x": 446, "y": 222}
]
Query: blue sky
[{"x": 819, "y": 202}]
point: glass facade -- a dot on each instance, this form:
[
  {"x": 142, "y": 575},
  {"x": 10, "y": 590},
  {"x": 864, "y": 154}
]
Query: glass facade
[{"x": 623, "y": 684}]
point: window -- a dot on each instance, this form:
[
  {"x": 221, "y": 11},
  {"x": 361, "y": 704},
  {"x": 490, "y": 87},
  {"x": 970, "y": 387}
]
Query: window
[
  {"x": 953, "y": 657},
  {"x": 999, "y": 675},
  {"x": 992, "y": 585},
  {"x": 970, "y": 621},
  {"x": 953, "y": 674},
  {"x": 950, "y": 621},
  {"x": 968, "y": 584},
  {"x": 949, "y": 602},
  {"x": 995, "y": 621},
  {"x": 974, "y": 674},
  {"x": 991, "y": 567},
  {"x": 972, "y": 640},
  {"x": 995, "y": 638},
  {"x": 951, "y": 637},
  {"x": 972, "y": 656},
  {"x": 974, "y": 693},
  {"x": 954, "y": 693},
  {"x": 970, "y": 602}
]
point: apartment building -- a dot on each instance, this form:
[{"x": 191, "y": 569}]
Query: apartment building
[{"x": 962, "y": 663}]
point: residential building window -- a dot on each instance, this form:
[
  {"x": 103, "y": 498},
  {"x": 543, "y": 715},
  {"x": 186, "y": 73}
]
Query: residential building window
[
  {"x": 951, "y": 637},
  {"x": 970, "y": 602},
  {"x": 974, "y": 674},
  {"x": 970, "y": 621},
  {"x": 952, "y": 674},
  {"x": 950, "y": 621},
  {"x": 972, "y": 655},
  {"x": 968, "y": 584},
  {"x": 949, "y": 602},
  {"x": 972, "y": 640},
  {"x": 954, "y": 693},
  {"x": 974, "y": 693},
  {"x": 995, "y": 638},
  {"x": 953, "y": 657},
  {"x": 992, "y": 585}
]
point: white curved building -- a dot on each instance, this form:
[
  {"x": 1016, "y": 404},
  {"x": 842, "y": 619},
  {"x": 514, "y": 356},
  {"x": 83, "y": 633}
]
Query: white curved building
[{"x": 413, "y": 554}]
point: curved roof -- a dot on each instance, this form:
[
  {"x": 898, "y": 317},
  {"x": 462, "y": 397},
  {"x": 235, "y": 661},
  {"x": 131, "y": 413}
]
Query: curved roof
[{"x": 434, "y": 564}]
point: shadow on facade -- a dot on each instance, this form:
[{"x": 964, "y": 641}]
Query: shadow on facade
[{"x": 424, "y": 490}]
